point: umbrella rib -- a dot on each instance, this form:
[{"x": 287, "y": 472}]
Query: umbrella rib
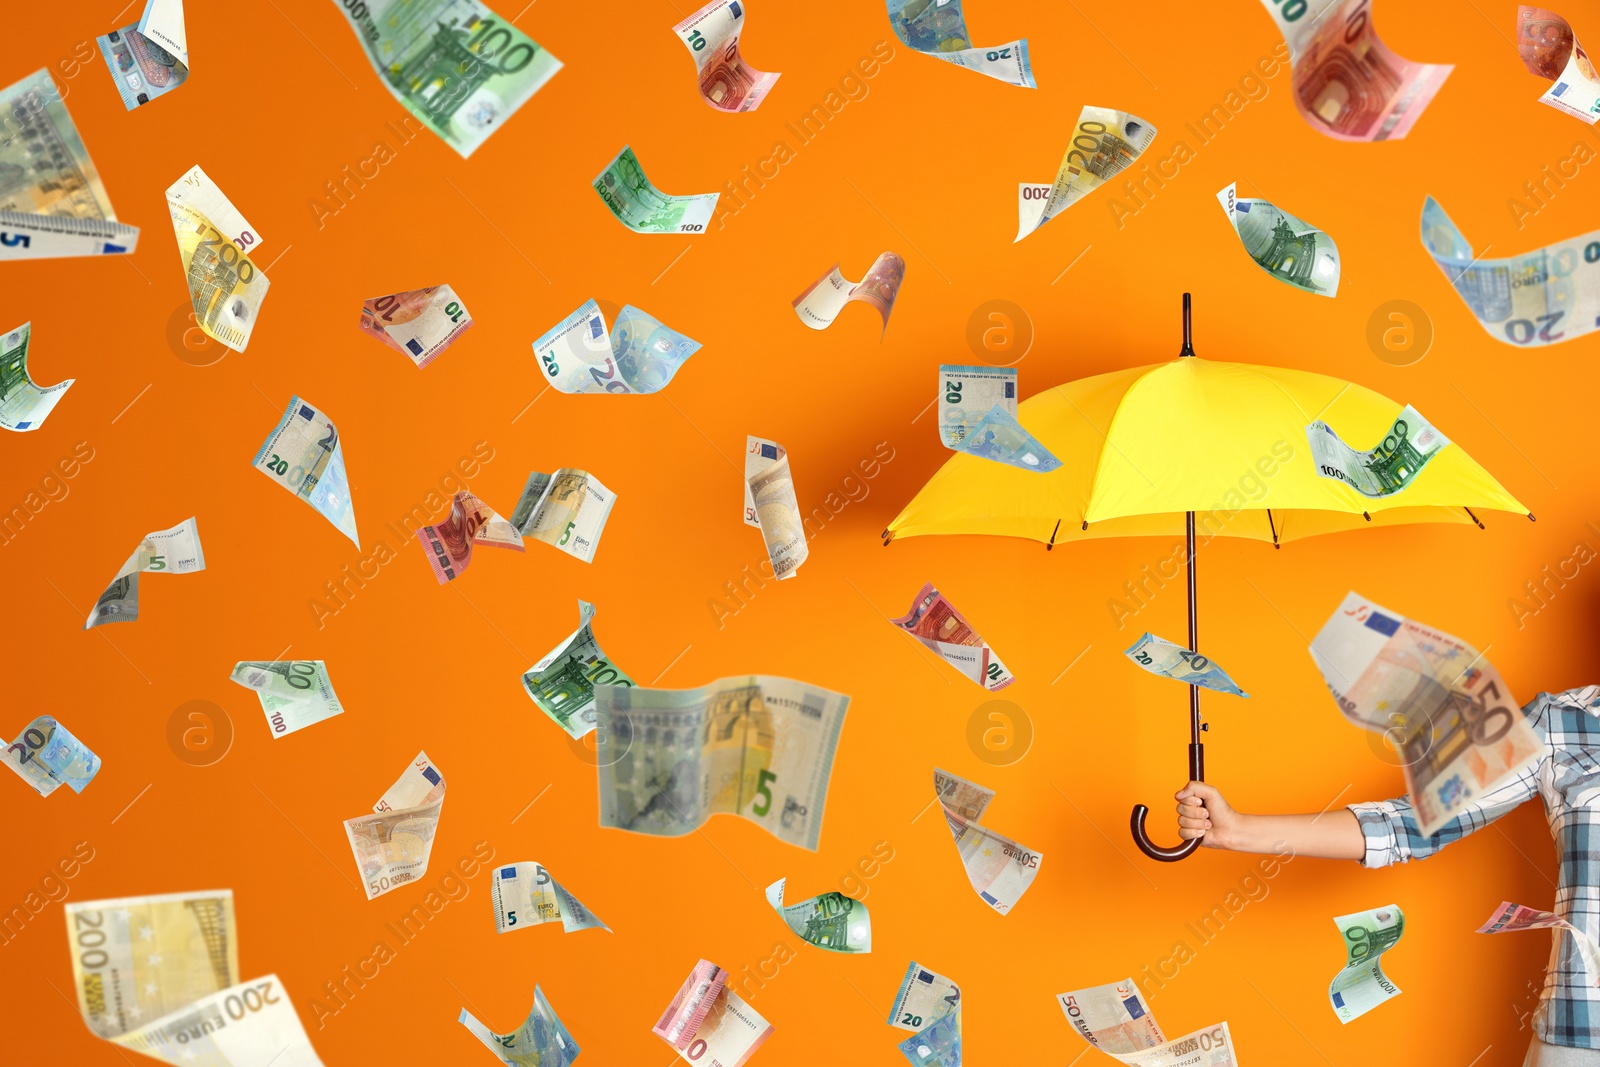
[{"x": 1104, "y": 437}]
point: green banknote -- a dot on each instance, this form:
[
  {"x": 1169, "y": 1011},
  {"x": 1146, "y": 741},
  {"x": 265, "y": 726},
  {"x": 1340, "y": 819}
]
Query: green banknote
[
  {"x": 1292, "y": 251},
  {"x": 832, "y": 921},
  {"x": 562, "y": 683},
  {"x": 454, "y": 64},
  {"x": 1361, "y": 985},
  {"x": 643, "y": 208},
  {"x": 23, "y": 405},
  {"x": 1385, "y": 468},
  {"x": 294, "y": 693}
]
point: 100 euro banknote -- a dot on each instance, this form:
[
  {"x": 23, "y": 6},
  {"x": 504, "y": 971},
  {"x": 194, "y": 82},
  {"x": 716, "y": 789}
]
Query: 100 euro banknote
[
  {"x": 832, "y": 920},
  {"x": 23, "y": 405},
  {"x": 454, "y": 64},
  {"x": 643, "y": 208},
  {"x": 1385, "y": 468},
  {"x": 1361, "y": 984},
  {"x": 294, "y": 694},
  {"x": 562, "y": 682}
]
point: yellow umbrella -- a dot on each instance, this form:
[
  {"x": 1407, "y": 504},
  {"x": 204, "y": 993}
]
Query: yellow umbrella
[{"x": 1155, "y": 450}]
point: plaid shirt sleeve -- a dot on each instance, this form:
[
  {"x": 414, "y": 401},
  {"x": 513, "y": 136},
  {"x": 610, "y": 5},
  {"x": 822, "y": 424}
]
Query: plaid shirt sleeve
[
  {"x": 1394, "y": 836},
  {"x": 1391, "y": 829}
]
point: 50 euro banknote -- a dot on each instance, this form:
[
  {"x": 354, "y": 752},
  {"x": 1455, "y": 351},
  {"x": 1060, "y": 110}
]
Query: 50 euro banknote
[
  {"x": 1443, "y": 707},
  {"x": 999, "y": 869},
  {"x": 392, "y": 845},
  {"x": 1114, "y": 1019}
]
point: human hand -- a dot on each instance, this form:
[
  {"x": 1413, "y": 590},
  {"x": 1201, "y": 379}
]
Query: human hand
[{"x": 1204, "y": 813}]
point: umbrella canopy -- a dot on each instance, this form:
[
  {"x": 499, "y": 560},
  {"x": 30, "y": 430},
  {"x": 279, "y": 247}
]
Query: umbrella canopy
[{"x": 1139, "y": 448}]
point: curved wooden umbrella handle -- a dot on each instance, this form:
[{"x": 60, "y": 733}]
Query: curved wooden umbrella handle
[{"x": 1149, "y": 847}]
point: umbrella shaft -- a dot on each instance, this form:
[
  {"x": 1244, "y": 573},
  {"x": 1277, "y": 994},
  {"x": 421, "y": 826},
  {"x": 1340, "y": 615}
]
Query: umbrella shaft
[{"x": 1197, "y": 763}]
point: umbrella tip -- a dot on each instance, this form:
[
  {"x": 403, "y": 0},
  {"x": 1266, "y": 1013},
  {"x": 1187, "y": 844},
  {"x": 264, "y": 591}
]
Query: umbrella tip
[
  {"x": 1188, "y": 343},
  {"x": 1364, "y": 515},
  {"x": 1532, "y": 517}
]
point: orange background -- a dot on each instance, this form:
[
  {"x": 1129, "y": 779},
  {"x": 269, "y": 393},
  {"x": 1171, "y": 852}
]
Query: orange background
[{"x": 926, "y": 164}]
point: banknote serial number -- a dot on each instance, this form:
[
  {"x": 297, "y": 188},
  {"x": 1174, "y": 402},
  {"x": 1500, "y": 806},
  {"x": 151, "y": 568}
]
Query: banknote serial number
[{"x": 94, "y": 994}]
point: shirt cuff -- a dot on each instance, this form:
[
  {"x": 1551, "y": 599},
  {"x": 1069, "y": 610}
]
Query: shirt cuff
[{"x": 1380, "y": 824}]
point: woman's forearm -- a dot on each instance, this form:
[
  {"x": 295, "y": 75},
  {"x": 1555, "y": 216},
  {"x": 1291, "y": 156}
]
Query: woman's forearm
[{"x": 1332, "y": 835}]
